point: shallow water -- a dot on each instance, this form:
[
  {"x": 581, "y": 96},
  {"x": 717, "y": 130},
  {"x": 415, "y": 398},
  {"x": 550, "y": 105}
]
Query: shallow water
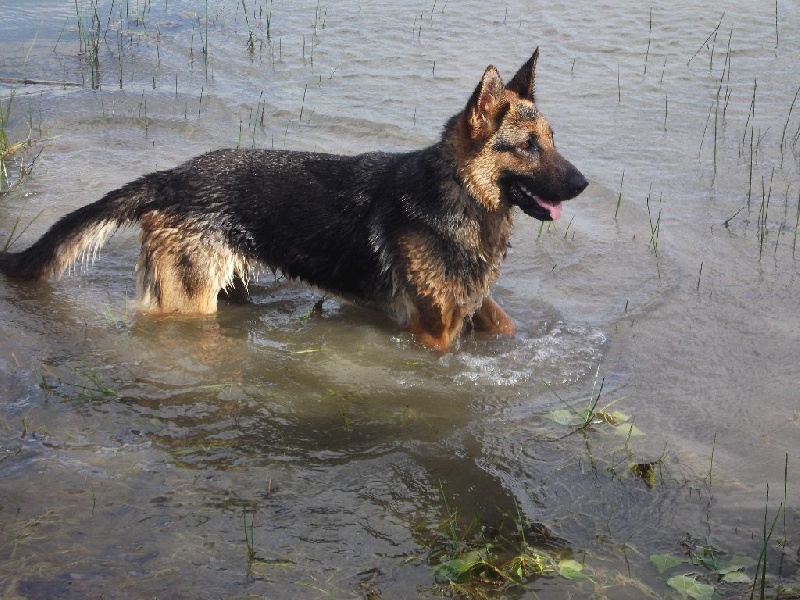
[{"x": 136, "y": 452}]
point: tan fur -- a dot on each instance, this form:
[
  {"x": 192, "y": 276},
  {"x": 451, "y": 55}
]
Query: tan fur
[
  {"x": 443, "y": 300},
  {"x": 479, "y": 165},
  {"x": 182, "y": 269},
  {"x": 472, "y": 141},
  {"x": 82, "y": 248}
]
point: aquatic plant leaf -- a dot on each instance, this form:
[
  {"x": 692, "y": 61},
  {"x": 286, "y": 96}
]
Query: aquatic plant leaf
[
  {"x": 458, "y": 569},
  {"x": 570, "y": 569},
  {"x": 564, "y": 416},
  {"x": 619, "y": 417},
  {"x": 735, "y": 563},
  {"x": 627, "y": 429},
  {"x": 737, "y": 577},
  {"x": 689, "y": 587},
  {"x": 709, "y": 560},
  {"x": 646, "y": 472},
  {"x": 664, "y": 562}
]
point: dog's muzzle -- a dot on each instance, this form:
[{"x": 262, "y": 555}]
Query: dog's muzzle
[
  {"x": 536, "y": 206},
  {"x": 544, "y": 202}
]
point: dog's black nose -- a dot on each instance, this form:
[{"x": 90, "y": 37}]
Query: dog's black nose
[{"x": 577, "y": 183}]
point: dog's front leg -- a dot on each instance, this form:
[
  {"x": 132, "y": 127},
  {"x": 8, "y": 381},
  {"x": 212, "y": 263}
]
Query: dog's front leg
[
  {"x": 436, "y": 327},
  {"x": 491, "y": 318}
]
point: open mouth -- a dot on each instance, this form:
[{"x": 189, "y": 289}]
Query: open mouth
[{"x": 536, "y": 206}]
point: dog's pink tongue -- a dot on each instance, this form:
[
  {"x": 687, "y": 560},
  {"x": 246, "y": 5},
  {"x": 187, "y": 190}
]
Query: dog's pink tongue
[{"x": 553, "y": 207}]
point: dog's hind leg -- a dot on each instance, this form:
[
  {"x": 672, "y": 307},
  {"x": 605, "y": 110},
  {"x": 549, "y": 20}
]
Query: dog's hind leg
[{"x": 182, "y": 269}]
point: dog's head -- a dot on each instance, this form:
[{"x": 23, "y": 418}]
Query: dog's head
[{"x": 505, "y": 149}]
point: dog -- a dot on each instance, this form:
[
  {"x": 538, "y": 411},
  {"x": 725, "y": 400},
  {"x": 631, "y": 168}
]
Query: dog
[{"x": 419, "y": 236}]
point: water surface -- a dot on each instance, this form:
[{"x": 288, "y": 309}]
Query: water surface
[{"x": 138, "y": 455}]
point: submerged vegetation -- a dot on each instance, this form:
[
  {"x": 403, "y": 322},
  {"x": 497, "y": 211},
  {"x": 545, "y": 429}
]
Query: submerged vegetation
[{"x": 474, "y": 559}]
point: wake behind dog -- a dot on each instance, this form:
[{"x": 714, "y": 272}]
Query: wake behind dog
[{"x": 419, "y": 236}]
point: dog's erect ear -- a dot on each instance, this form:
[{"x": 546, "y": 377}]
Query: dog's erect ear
[
  {"x": 524, "y": 81},
  {"x": 484, "y": 106}
]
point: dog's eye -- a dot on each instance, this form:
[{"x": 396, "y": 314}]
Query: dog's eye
[{"x": 526, "y": 145}]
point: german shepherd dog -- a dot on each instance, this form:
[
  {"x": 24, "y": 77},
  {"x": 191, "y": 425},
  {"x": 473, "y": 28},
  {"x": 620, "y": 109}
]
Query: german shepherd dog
[{"x": 419, "y": 236}]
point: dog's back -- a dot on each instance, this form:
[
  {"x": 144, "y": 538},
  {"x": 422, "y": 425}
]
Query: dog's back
[{"x": 326, "y": 219}]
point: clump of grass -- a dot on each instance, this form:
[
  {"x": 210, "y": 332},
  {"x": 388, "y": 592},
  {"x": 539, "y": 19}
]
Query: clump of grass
[
  {"x": 593, "y": 414},
  {"x": 760, "y": 579},
  {"x": 205, "y": 40},
  {"x": 788, "y": 118},
  {"x": 709, "y": 571},
  {"x": 4, "y": 112},
  {"x": 16, "y": 161},
  {"x": 583, "y": 419},
  {"x": 705, "y": 42},
  {"x": 14, "y": 235},
  {"x": 255, "y": 21},
  {"x": 750, "y": 177},
  {"x": 471, "y": 558},
  {"x": 250, "y": 550},
  {"x": 763, "y": 213},
  {"x": 595, "y": 417},
  {"x": 699, "y": 275},
  {"x": 655, "y": 230},
  {"x": 254, "y": 561},
  {"x": 89, "y": 37},
  {"x": 252, "y": 39},
  {"x": 85, "y": 384},
  {"x": 649, "y": 40},
  {"x": 303, "y": 103},
  {"x": 716, "y": 568},
  {"x": 751, "y": 114},
  {"x": 716, "y": 127},
  {"x": 777, "y": 38},
  {"x": 796, "y": 227},
  {"x": 705, "y": 570}
]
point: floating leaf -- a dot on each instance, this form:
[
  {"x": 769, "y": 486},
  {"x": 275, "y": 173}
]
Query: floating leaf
[
  {"x": 664, "y": 562},
  {"x": 612, "y": 418},
  {"x": 570, "y": 569},
  {"x": 619, "y": 417},
  {"x": 709, "y": 559},
  {"x": 564, "y": 416},
  {"x": 735, "y": 563},
  {"x": 737, "y": 577},
  {"x": 459, "y": 568},
  {"x": 689, "y": 587},
  {"x": 628, "y": 429}
]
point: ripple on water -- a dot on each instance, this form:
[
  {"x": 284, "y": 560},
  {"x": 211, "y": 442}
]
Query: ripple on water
[{"x": 564, "y": 354}]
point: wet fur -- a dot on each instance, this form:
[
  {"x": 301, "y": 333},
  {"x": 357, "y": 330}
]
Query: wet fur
[{"x": 419, "y": 236}]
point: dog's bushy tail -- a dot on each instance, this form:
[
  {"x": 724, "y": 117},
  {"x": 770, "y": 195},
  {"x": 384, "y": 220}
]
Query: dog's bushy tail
[{"x": 79, "y": 234}]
